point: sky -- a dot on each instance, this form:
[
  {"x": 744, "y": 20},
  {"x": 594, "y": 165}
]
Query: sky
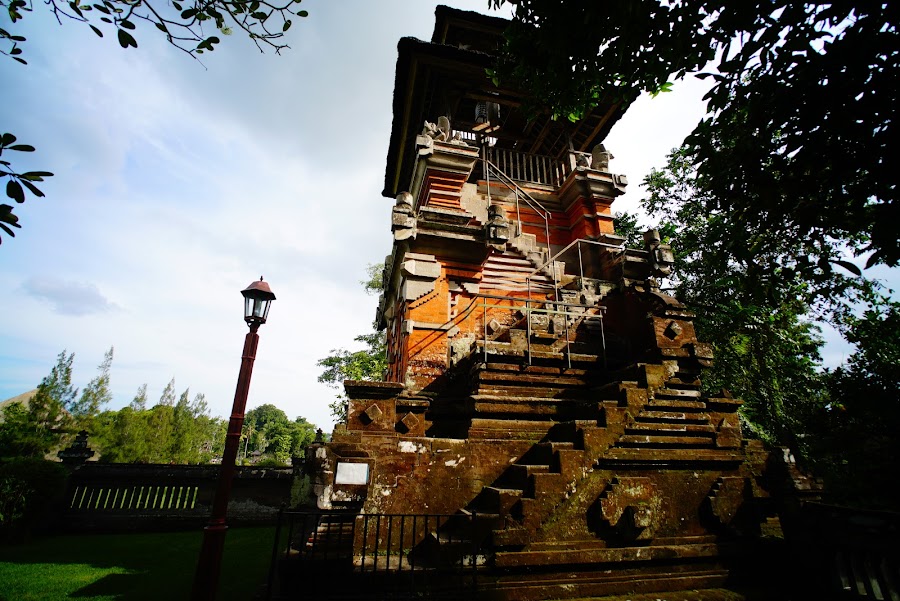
[{"x": 178, "y": 184}]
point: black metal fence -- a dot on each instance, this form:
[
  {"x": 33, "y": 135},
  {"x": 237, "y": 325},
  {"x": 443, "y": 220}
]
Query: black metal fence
[{"x": 357, "y": 556}]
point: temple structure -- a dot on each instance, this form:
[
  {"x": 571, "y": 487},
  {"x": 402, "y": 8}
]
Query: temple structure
[{"x": 542, "y": 393}]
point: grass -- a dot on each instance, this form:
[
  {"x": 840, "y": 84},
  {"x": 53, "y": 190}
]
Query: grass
[{"x": 125, "y": 567}]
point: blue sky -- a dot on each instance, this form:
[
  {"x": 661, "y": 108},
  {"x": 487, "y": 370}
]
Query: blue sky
[{"x": 178, "y": 184}]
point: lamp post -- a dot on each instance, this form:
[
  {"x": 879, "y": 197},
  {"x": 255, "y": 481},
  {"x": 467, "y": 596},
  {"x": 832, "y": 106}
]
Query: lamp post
[{"x": 257, "y": 299}]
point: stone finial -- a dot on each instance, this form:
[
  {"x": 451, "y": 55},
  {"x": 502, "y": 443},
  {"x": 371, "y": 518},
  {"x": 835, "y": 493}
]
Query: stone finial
[
  {"x": 403, "y": 219},
  {"x": 600, "y": 158},
  {"x": 661, "y": 256},
  {"x": 405, "y": 199}
]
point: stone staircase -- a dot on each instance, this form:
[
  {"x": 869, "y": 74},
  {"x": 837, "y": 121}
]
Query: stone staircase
[{"x": 584, "y": 420}]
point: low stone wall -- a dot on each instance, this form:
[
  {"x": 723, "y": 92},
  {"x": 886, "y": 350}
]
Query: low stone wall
[{"x": 129, "y": 497}]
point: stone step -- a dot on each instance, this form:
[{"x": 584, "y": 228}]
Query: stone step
[
  {"x": 598, "y": 556},
  {"x": 590, "y": 582},
  {"x": 671, "y": 429},
  {"x": 724, "y": 404},
  {"x": 545, "y": 453},
  {"x": 511, "y": 390},
  {"x": 535, "y": 369},
  {"x": 675, "y": 393},
  {"x": 554, "y": 380},
  {"x": 503, "y": 430},
  {"x": 669, "y": 417},
  {"x": 518, "y": 475},
  {"x": 652, "y": 441},
  {"x": 668, "y": 404},
  {"x": 538, "y": 406},
  {"x": 512, "y": 537},
  {"x": 629, "y": 457},
  {"x": 501, "y": 500},
  {"x": 682, "y": 380}
]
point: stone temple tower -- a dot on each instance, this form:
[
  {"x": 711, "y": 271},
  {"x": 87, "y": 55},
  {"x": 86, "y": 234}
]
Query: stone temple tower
[{"x": 540, "y": 387}]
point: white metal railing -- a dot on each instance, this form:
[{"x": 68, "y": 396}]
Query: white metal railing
[
  {"x": 530, "y": 306},
  {"x": 527, "y": 167},
  {"x": 550, "y": 261}
]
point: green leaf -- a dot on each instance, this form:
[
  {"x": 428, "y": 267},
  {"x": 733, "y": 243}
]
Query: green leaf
[
  {"x": 34, "y": 189},
  {"x": 22, "y": 147},
  {"x": 287, "y": 25},
  {"x": 75, "y": 9},
  {"x": 302, "y": 13},
  {"x": 37, "y": 176},
  {"x": 161, "y": 27},
  {"x": 14, "y": 191},
  {"x": 126, "y": 24},
  {"x": 9, "y": 231},
  {"x": 7, "y": 139},
  {"x": 177, "y": 6},
  {"x": 849, "y": 267},
  {"x": 97, "y": 31},
  {"x": 189, "y": 13},
  {"x": 126, "y": 40}
]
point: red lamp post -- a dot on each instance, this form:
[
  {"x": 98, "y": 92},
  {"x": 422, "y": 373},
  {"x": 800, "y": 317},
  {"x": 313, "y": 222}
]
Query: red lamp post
[{"x": 257, "y": 299}]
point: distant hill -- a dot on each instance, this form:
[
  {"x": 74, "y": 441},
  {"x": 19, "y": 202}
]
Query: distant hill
[{"x": 23, "y": 398}]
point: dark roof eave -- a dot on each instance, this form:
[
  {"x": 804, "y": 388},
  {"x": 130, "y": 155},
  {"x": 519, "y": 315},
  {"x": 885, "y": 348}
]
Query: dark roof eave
[{"x": 409, "y": 48}]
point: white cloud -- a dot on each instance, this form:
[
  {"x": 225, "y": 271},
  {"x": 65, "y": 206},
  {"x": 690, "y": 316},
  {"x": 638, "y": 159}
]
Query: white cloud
[{"x": 67, "y": 297}]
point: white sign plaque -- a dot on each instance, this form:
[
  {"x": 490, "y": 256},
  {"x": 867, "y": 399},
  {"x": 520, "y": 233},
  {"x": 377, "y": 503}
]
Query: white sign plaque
[{"x": 352, "y": 473}]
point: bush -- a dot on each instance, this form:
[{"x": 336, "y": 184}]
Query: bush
[
  {"x": 270, "y": 462},
  {"x": 30, "y": 490}
]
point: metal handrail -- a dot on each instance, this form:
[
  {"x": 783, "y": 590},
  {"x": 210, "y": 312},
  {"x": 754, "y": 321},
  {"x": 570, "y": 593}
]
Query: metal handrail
[
  {"x": 529, "y": 310},
  {"x": 552, "y": 259},
  {"x": 510, "y": 183}
]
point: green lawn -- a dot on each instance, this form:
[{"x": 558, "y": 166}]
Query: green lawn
[{"x": 115, "y": 567}]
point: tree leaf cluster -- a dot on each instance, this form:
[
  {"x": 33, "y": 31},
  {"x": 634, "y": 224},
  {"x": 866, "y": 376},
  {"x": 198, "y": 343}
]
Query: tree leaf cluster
[
  {"x": 16, "y": 183},
  {"x": 185, "y": 25},
  {"x": 759, "y": 300},
  {"x": 268, "y": 430},
  {"x": 180, "y": 432},
  {"x": 856, "y": 440},
  {"x": 800, "y": 135}
]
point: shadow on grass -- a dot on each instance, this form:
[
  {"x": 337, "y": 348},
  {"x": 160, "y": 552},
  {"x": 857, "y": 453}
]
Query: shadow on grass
[{"x": 125, "y": 567}]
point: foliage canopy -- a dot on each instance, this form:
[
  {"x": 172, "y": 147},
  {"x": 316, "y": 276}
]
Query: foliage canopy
[{"x": 802, "y": 125}]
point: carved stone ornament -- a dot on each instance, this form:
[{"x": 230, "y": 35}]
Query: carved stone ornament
[
  {"x": 626, "y": 510},
  {"x": 403, "y": 218},
  {"x": 600, "y": 158},
  {"x": 441, "y": 132},
  {"x": 372, "y": 413},
  {"x": 661, "y": 256},
  {"x": 497, "y": 228}
]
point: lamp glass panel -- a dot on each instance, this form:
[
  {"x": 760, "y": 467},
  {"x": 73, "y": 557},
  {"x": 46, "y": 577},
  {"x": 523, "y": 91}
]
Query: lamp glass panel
[{"x": 259, "y": 308}]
